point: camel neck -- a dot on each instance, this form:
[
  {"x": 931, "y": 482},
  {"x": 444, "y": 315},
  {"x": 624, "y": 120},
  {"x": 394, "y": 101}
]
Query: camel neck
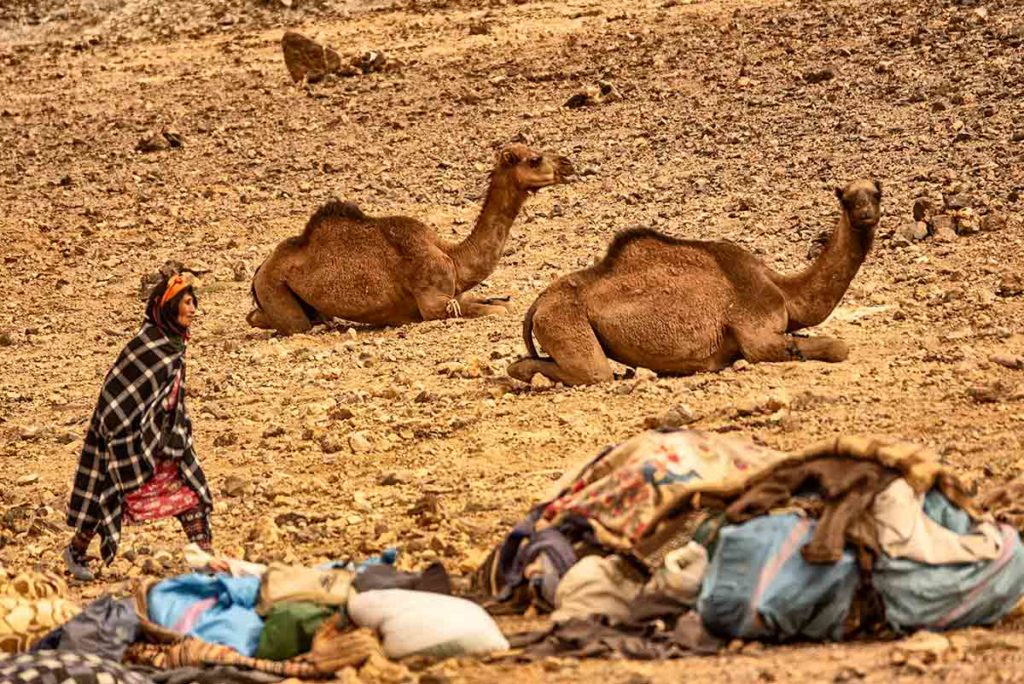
[
  {"x": 812, "y": 294},
  {"x": 477, "y": 256}
]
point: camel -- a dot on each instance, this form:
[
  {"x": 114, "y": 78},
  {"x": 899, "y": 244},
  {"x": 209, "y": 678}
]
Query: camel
[
  {"x": 685, "y": 306},
  {"x": 393, "y": 270}
]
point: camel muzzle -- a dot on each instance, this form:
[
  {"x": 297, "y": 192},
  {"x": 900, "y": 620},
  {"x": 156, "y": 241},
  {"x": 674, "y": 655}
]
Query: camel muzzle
[{"x": 563, "y": 168}]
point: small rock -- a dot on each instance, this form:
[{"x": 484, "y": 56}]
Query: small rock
[
  {"x": 162, "y": 140},
  {"x": 849, "y": 674},
  {"x": 225, "y": 439},
  {"x": 642, "y": 373},
  {"x": 675, "y": 417},
  {"x": 332, "y": 444},
  {"x": 235, "y": 486},
  {"x": 273, "y": 431},
  {"x": 993, "y": 222},
  {"x": 307, "y": 59},
  {"x": 1011, "y": 361},
  {"x": 914, "y": 231},
  {"x": 479, "y": 28},
  {"x": 922, "y": 208},
  {"x": 240, "y": 272},
  {"x": 1011, "y": 285},
  {"x": 594, "y": 95},
  {"x": 265, "y": 531},
  {"x": 967, "y": 222},
  {"x": 820, "y": 75},
  {"x": 359, "y": 443},
  {"x": 151, "y": 567},
  {"x": 942, "y": 228},
  {"x": 991, "y": 392},
  {"x": 539, "y": 381},
  {"x": 28, "y": 479},
  {"x": 6, "y": 340},
  {"x": 927, "y": 646}
]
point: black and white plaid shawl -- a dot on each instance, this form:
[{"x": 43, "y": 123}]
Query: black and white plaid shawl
[{"x": 129, "y": 431}]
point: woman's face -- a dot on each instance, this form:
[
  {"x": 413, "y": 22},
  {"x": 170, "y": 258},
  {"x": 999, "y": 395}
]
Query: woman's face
[{"x": 186, "y": 310}]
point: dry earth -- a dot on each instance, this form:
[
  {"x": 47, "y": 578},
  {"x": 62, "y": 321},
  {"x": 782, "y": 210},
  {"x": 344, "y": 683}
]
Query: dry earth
[{"x": 737, "y": 119}]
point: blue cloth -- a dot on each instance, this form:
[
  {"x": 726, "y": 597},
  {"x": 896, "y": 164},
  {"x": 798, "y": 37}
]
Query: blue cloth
[
  {"x": 953, "y": 518},
  {"x": 954, "y": 595},
  {"x": 229, "y": 619},
  {"x": 758, "y": 586}
]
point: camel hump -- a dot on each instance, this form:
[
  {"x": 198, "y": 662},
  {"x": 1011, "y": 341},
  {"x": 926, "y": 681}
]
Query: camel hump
[
  {"x": 625, "y": 238},
  {"x": 334, "y": 208}
]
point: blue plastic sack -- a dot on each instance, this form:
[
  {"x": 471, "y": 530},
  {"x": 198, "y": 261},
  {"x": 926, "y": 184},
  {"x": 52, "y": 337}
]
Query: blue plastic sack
[{"x": 758, "y": 586}]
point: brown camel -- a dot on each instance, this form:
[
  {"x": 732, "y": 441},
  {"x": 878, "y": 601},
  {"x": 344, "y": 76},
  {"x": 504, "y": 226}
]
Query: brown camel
[
  {"x": 685, "y": 306},
  {"x": 394, "y": 269}
]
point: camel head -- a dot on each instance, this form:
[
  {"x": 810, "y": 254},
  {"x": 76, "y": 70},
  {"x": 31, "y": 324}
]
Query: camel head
[
  {"x": 861, "y": 200},
  {"x": 529, "y": 170}
]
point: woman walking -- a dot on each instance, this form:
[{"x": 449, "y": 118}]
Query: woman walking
[{"x": 138, "y": 462}]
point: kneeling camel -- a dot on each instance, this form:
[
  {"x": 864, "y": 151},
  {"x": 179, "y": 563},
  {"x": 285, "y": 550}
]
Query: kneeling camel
[
  {"x": 392, "y": 270},
  {"x": 686, "y": 306}
]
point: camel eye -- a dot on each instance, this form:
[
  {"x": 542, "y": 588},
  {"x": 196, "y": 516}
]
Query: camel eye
[{"x": 534, "y": 162}]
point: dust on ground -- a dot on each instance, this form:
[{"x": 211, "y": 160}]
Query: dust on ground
[{"x": 736, "y": 121}]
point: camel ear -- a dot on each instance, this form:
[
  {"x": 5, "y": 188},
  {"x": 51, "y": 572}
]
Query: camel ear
[
  {"x": 508, "y": 157},
  {"x": 878, "y": 187},
  {"x": 839, "y": 193}
]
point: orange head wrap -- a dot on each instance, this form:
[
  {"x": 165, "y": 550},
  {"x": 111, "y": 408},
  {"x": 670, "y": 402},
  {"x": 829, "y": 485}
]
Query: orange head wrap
[{"x": 176, "y": 284}]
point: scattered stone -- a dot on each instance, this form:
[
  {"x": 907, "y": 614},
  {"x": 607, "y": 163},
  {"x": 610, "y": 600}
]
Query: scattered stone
[
  {"x": 1011, "y": 361},
  {"x": 954, "y": 202},
  {"x": 161, "y": 140},
  {"x": 914, "y": 231},
  {"x": 993, "y": 222},
  {"x": 306, "y": 59},
  {"x": 991, "y": 392},
  {"x": 675, "y": 417},
  {"x": 927, "y": 647},
  {"x": 820, "y": 75},
  {"x": 967, "y": 222},
  {"x": 235, "y": 486},
  {"x": 367, "y": 63},
  {"x": 539, "y": 381},
  {"x": 849, "y": 673},
  {"x": 265, "y": 531},
  {"x": 5, "y": 339},
  {"x": 148, "y": 281},
  {"x": 27, "y": 479},
  {"x": 151, "y": 567},
  {"x": 225, "y": 439},
  {"x": 332, "y": 444},
  {"x": 922, "y": 208},
  {"x": 642, "y": 373},
  {"x": 240, "y": 272},
  {"x": 594, "y": 95},
  {"x": 943, "y": 228},
  {"x": 273, "y": 431},
  {"x": 359, "y": 443},
  {"x": 1011, "y": 285},
  {"x": 479, "y": 28}
]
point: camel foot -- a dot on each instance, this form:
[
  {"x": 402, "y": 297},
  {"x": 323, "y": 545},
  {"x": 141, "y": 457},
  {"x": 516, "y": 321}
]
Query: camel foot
[
  {"x": 258, "y": 319},
  {"x": 525, "y": 369},
  {"x": 826, "y": 349}
]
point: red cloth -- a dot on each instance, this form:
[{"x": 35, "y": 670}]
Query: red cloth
[{"x": 162, "y": 496}]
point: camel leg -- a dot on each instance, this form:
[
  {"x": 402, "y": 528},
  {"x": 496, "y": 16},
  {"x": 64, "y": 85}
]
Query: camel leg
[
  {"x": 763, "y": 346},
  {"x": 279, "y": 309},
  {"x": 474, "y": 307},
  {"x": 576, "y": 355}
]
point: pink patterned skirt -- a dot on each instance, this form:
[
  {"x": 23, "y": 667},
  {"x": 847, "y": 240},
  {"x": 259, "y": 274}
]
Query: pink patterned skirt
[{"x": 162, "y": 496}]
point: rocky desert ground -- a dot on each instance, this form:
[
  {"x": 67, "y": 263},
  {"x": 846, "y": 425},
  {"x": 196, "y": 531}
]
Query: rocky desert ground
[{"x": 732, "y": 119}]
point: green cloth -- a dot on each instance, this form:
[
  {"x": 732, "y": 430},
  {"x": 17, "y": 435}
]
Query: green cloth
[{"x": 289, "y": 628}]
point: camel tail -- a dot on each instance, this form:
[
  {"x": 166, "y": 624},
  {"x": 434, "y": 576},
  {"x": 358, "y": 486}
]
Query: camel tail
[
  {"x": 252, "y": 287},
  {"x": 528, "y": 330}
]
